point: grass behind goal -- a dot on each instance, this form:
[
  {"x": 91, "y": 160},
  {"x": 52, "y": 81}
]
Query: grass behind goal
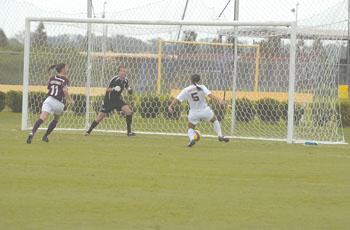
[{"x": 109, "y": 181}]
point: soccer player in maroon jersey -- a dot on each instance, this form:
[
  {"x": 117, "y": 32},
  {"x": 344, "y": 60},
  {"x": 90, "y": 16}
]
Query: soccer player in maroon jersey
[
  {"x": 53, "y": 104},
  {"x": 113, "y": 100}
]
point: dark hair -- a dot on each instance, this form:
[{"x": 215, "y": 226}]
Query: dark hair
[
  {"x": 57, "y": 67},
  {"x": 195, "y": 78}
]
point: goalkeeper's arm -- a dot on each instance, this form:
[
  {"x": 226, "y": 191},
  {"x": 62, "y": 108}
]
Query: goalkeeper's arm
[{"x": 116, "y": 88}]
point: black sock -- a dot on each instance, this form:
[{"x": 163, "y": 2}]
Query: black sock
[
  {"x": 52, "y": 125},
  {"x": 37, "y": 125},
  {"x": 128, "y": 123},
  {"x": 93, "y": 125}
]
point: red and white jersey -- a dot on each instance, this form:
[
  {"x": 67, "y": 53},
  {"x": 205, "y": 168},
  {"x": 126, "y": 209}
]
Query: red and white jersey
[{"x": 195, "y": 97}]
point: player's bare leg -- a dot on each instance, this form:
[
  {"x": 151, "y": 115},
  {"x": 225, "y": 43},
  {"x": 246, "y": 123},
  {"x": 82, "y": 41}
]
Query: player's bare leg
[
  {"x": 128, "y": 117},
  {"x": 99, "y": 118},
  {"x": 190, "y": 134},
  {"x": 217, "y": 129},
  {"x": 43, "y": 116},
  {"x": 51, "y": 127}
]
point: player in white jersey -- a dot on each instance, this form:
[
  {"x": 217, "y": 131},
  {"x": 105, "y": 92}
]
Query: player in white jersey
[{"x": 199, "y": 110}]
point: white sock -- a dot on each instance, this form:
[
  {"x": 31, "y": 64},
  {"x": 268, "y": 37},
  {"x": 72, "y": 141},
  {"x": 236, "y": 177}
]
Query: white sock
[
  {"x": 190, "y": 134},
  {"x": 217, "y": 128}
]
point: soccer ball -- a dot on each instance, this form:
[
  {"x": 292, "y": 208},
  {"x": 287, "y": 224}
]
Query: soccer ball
[{"x": 197, "y": 135}]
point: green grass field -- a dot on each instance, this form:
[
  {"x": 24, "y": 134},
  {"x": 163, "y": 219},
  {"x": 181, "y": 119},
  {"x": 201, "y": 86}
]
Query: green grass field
[{"x": 109, "y": 181}]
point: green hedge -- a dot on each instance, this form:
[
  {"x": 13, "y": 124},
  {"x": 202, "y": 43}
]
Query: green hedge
[
  {"x": 345, "y": 112},
  {"x": 298, "y": 112},
  {"x": 96, "y": 103},
  {"x": 79, "y": 107},
  {"x": 269, "y": 110},
  {"x": 244, "y": 110},
  {"x": 14, "y": 101},
  {"x": 2, "y": 100},
  {"x": 322, "y": 113},
  {"x": 35, "y": 101},
  {"x": 218, "y": 109},
  {"x": 149, "y": 106},
  {"x": 131, "y": 100},
  {"x": 177, "y": 109}
]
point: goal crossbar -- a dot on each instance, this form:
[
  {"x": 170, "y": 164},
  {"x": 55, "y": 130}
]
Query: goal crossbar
[{"x": 159, "y": 22}]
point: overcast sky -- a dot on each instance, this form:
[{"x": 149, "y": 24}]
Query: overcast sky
[
  {"x": 279, "y": 7},
  {"x": 306, "y": 7},
  {"x": 13, "y": 12}
]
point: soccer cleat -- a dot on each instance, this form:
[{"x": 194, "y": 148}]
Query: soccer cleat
[
  {"x": 86, "y": 134},
  {"x": 192, "y": 143},
  {"x": 224, "y": 139},
  {"x": 131, "y": 134},
  {"x": 45, "y": 138},
  {"x": 29, "y": 139}
]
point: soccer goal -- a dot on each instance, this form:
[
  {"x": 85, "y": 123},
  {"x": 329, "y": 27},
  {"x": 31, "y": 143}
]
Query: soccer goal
[{"x": 274, "y": 87}]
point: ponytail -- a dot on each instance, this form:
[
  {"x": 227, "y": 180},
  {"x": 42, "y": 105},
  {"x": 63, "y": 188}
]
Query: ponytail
[
  {"x": 198, "y": 87},
  {"x": 57, "y": 67},
  {"x": 51, "y": 68}
]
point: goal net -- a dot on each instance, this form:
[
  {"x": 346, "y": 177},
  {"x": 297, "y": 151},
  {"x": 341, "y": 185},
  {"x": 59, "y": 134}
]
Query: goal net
[{"x": 278, "y": 83}]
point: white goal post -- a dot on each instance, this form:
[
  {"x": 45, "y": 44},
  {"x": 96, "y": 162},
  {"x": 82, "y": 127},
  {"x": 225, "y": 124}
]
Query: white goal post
[{"x": 274, "y": 89}]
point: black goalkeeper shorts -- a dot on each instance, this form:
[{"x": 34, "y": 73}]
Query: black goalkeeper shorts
[{"x": 107, "y": 107}]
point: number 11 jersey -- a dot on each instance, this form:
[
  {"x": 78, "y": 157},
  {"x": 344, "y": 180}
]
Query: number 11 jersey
[{"x": 56, "y": 85}]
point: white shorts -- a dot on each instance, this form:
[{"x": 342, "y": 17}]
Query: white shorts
[
  {"x": 53, "y": 106},
  {"x": 196, "y": 116}
]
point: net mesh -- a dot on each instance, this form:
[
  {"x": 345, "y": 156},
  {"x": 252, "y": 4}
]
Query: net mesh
[{"x": 251, "y": 74}]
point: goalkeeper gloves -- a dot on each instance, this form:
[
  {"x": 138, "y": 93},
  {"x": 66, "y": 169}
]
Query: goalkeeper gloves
[{"x": 117, "y": 88}]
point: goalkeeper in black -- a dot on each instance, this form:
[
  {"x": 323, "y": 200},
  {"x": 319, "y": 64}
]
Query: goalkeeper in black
[{"x": 113, "y": 100}]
